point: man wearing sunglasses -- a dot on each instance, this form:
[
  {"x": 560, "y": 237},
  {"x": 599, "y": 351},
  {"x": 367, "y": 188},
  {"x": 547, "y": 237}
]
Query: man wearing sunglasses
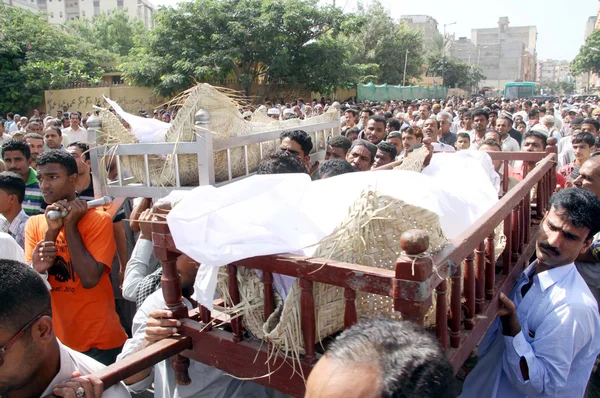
[{"x": 33, "y": 363}]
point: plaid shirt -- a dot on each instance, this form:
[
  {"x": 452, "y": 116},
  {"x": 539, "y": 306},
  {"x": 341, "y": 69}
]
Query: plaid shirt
[{"x": 16, "y": 229}]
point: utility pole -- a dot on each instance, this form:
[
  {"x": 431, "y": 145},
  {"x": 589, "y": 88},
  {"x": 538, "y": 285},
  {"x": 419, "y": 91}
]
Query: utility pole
[
  {"x": 405, "y": 62},
  {"x": 444, "y": 51}
]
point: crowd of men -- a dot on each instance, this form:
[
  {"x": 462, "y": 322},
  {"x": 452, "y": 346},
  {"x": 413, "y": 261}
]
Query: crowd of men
[{"x": 91, "y": 295}]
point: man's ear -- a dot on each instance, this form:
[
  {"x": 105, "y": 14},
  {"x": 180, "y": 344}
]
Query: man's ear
[
  {"x": 43, "y": 329},
  {"x": 586, "y": 245}
]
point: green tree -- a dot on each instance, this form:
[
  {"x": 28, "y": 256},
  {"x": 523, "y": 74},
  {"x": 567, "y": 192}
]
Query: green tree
[
  {"x": 278, "y": 41},
  {"x": 112, "y": 33},
  {"x": 35, "y": 56},
  {"x": 456, "y": 73},
  {"x": 588, "y": 58},
  {"x": 377, "y": 40},
  {"x": 567, "y": 88}
]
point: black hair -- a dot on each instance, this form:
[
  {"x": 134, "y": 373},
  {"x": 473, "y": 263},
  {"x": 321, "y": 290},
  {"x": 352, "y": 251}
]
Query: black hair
[
  {"x": 528, "y": 102},
  {"x": 280, "y": 162},
  {"x": 35, "y": 136},
  {"x": 60, "y": 157},
  {"x": 340, "y": 141},
  {"x": 437, "y": 122},
  {"x": 592, "y": 121},
  {"x": 491, "y": 142},
  {"x": 493, "y": 112},
  {"x": 12, "y": 184},
  {"x": 332, "y": 168},
  {"x": 389, "y": 148},
  {"x": 354, "y": 112},
  {"x": 368, "y": 110},
  {"x": 371, "y": 147},
  {"x": 582, "y": 208},
  {"x": 395, "y": 123},
  {"x": 410, "y": 361},
  {"x": 468, "y": 114},
  {"x": 16, "y": 145},
  {"x": 536, "y": 134},
  {"x": 394, "y": 134},
  {"x": 54, "y": 128},
  {"x": 378, "y": 119},
  {"x": 480, "y": 112},
  {"x": 533, "y": 113},
  {"x": 301, "y": 137},
  {"x": 463, "y": 135},
  {"x": 586, "y": 138},
  {"x": 85, "y": 149},
  {"x": 353, "y": 130},
  {"x": 23, "y": 295},
  {"x": 520, "y": 122},
  {"x": 33, "y": 123}
]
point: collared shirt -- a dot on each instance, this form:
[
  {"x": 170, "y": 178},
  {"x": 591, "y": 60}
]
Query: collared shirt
[
  {"x": 34, "y": 200},
  {"x": 441, "y": 147},
  {"x": 73, "y": 361},
  {"x": 10, "y": 249},
  {"x": 16, "y": 228},
  {"x": 559, "y": 339},
  {"x": 207, "y": 382},
  {"x": 509, "y": 144},
  {"x": 448, "y": 139},
  {"x": 80, "y": 134},
  {"x": 517, "y": 172}
]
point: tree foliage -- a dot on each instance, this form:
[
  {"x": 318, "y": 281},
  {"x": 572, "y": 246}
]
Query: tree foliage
[
  {"x": 281, "y": 41},
  {"x": 456, "y": 73},
  {"x": 112, "y": 33},
  {"x": 379, "y": 42},
  {"x": 588, "y": 58},
  {"x": 35, "y": 56}
]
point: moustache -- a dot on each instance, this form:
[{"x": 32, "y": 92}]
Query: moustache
[{"x": 547, "y": 247}]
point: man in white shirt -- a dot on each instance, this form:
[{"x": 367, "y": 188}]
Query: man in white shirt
[
  {"x": 76, "y": 132},
  {"x": 431, "y": 128},
  {"x": 547, "y": 334},
  {"x": 152, "y": 324},
  {"x": 33, "y": 362}
]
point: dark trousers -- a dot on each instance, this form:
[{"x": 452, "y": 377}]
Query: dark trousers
[{"x": 106, "y": 357}]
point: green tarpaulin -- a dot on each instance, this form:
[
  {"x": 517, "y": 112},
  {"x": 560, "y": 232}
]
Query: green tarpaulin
[{"x": 384, "y": 92}]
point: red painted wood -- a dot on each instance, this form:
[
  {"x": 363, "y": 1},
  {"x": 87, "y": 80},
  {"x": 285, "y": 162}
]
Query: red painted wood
[
  {"x": 490, "y": 268},
  {"x": 234, "y": 294},
  {"x": 307, "y": 308},
  {"x": 206, "y": 318},
  {"x": 515, "y": 233},
  {"x": 455, "y": 308},
  {"x": 507, "y": 255},
  {"x": 521, "y": 227},
  {"x": 480, "y": 277},
  {"x": 350, "y": 317},
  {"x": 469, "y": 291},
  {"x": 505, "y": 166},
  {"x": 269, "y": 295},
  {"x": 441, "y": 314}
]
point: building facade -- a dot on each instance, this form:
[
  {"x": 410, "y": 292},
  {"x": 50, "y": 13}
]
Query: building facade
[
  {"x": 506, "y": 53},
  {"x": 60, "y": 11},
  {"x": 426, "y": 24},
  {"x": 588, "y": 81}
]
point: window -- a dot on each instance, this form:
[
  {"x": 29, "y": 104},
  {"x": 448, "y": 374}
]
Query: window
[
  {"x": 83, "y": 13},
  {"x": 51, "y": 14},
  {"x": 120, "y": 3},
  {"x": 60, "y": 14}
]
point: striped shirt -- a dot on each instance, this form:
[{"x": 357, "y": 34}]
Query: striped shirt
[
  {"x": 16, "y": 229},
  {"x": 32, "y": 205}
]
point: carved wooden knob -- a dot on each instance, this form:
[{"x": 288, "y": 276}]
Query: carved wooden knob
[{"x": 414, "y": 241}]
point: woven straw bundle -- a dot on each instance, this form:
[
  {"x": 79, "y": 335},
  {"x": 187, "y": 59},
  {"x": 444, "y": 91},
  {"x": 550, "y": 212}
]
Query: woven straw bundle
[
  {"x": 225, "y": 122},
  {"x": 370, "y": 236},
  {"x": 414, "y": 160}
]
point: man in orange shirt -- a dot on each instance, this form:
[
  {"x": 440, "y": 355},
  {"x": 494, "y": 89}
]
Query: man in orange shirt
[{"x": 76, "y": 253}]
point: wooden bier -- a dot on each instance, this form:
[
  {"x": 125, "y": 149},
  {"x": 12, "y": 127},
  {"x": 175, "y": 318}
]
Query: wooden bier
[{"x": 411, "y": 285}]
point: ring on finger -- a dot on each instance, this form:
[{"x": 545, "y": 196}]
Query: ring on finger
[{"x": 80, "y": 393}]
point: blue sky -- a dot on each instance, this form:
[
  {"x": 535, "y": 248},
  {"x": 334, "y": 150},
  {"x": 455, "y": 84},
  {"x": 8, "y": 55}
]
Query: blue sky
[{"x": 560, "y": 24}]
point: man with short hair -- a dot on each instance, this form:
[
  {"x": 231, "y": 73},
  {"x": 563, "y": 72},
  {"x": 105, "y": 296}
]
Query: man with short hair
[
  {"x": 463, "y": 141},
  {"x": 480, "y": 122},
  {"x": 298, "y": 143},
  {"x": 16, "y": 155},
  {"x": 395, "y": 138},
  {"x": 34, "y": 362},
  {"x": 545, "y": 339},
  {"x": 424, "y": 114},
  {"x": 365, "y": 114},
  {"x": 503, "y": 126},
  {"x": 410, "y": 137},
  {"x": 374, "y": 131},
  {"x": 386, "y": 153},
  {"x": 565, "y": 145},
  {"x": 548, "y": 122},
  {"x": 12, "y": 216},
  {"x": 361, "y": 155},
  {"x": 281, "y": 162},
  {"x": 36, "y": 146},
  {"x": 333, "y": 167},
  {"x": 53, "y": 138},
  {"x": 393, "y": 124},
  {"x": 34, "y": 128},
  {"x": 75, "y": 131},
  {"x": 493, "y": 118},
  {"x": 492, "y": 135},
  {"x": 533, "y": 142},
  {"x": 446, "y": 136},
  {"x": 583, "y": 146},
  {"x": 75, "y": 252},
  {"x": 382, "y": 358},
  {"x": 431, "y": 131},
  {"x": 337, "y": 147},
  {"x": 350, "y": 116}
]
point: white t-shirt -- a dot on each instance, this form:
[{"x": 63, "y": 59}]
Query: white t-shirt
[{"x": 10, "y": 249}]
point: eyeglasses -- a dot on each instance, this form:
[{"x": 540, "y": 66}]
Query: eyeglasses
[{"x": 18, "y": 335}]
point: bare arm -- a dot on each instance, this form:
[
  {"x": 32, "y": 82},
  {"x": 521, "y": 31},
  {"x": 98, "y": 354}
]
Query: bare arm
[{"x": 121, "y": 242}]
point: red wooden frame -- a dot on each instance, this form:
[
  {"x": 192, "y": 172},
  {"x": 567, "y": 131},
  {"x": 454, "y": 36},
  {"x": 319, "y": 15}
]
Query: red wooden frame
[{"x": 462, "y": 326}]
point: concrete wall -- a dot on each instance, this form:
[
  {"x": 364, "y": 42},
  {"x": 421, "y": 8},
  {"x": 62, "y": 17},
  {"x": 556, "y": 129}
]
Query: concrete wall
[{"x": 131, "y": 99}]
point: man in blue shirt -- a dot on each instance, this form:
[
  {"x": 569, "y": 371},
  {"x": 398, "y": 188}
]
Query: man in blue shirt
[{"x": 547, "y": 334}]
